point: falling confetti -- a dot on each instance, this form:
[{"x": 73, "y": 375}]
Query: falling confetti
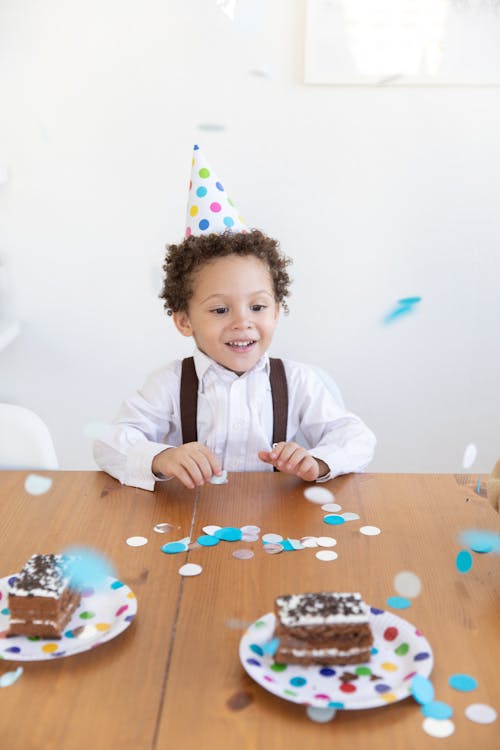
[
  {"x": 37, "y": 485},
  {"x": 437, "y": 710},
  {"x": 320, "y": 715},
  {"x": 219, "y": 478},
  {"x": 318, "y": 495},
  {"x": 136, "y": 541},
  {"x": 408, "y": 584},
  {"x": 398, "y": 602},
  {"x": 462, "y": 682},
  {"x": 438, "y": 727},
  {"x": 190, "y": 569},
  {"x": 370, "y": 530},
  {"x": 404, "y": 307},
  {"x": 243, "y": 554},
  {"x": 481, "y": 713},
  {"x": 480, "y": 541},
  {"x": 87, "y": 567},
  {"x": 470, "y": 455},
  {"x": 9, "y": 678},
  {"x": 327, "y": 555},
  {"x": 227, "y": 7},
  {"x": 464, "y": 561},
  {"x": 331, "y": 507},
  {"x": 211, "y": 127},
  {"x": 422, "y": 689}
]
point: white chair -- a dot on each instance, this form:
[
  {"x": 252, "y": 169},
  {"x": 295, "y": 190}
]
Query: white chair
[{"x": 25, "y": 440}]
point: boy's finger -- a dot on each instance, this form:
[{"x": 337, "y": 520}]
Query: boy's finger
[
  {"x": 265, "y": 456},
  {"x": 215, "y": 467},
  {"x": 276, "y": 450},
  {"x": 288, "y": 450},
  {"x": 207, "y": 468},
  {"x": 183, "y": 476}
]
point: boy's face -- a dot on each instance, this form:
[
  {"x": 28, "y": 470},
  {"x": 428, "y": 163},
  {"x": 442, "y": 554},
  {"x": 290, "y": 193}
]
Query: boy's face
[{"x": 232, "y": 313}]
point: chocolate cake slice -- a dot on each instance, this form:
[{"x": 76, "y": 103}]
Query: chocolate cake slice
[
  {"x": 41, "y": 600},
  {"x": 322, "y": 628}
]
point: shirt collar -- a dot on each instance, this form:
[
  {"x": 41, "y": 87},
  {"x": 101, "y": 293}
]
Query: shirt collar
[{"x": 204, "y": 364}]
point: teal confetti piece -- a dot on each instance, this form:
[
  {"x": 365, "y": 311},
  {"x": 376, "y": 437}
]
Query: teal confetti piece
[
  {"x": 9, "y": 678},
  {"x": 464, "y": 561}
]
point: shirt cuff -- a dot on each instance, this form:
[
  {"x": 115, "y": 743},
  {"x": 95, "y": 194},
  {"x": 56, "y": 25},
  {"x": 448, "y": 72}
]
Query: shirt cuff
[{"x": 138, "y": 471}]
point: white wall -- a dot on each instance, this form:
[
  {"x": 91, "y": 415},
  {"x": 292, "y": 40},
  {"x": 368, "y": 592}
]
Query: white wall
[{"x": 377, "y": 194}]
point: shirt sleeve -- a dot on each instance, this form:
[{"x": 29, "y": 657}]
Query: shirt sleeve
[
  {"x": 140, "y": 430},
  {"x": 333, "y": 434}
]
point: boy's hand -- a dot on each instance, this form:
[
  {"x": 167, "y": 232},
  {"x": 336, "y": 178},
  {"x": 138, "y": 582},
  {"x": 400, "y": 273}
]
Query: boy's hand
[
  {"x": 192, "y": 463},
  {"x": 291, "y": 458}
]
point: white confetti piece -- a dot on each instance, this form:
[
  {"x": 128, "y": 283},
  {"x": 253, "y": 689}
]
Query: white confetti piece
[
  {"x": 321, "y": 715},
  {"x": 98, "y": 431},
  {"x": 243, "y": 554},
  {"x": 190, "y": 569},
  {"x": 309, "y": 542},
  {"x": 318, "y": 495},
  {"x": 370, "y": 530},
  {"x": 211, "y": 127},
  {"x": 331, "y": 507},
  {"x": 219, "y": 479},
  {"x": 210, "y": 530},
  {"x": 163, "y": 528},
  {"x": 136, "y": 541},
  {"x": 481, "y": 713},
  {"x": 9, "y": 678},
  {"x": 250, "y": 529},
  {"x": 350, "y": 516},
  {"x": 326, "y": 555},
  {"x": 185, "y": 541},
  {"x": 407, "y": 584},
  {"x": 227, "y": 7},
  {"x": 438, "y": 727},
  {"x": 273, "y": 549},
  {"x": 326, "y": 541},
  {"x": 273, "y": 538},
  {"x": 470, "y": 455},
  {"x": 37, "y": 485},
  {"x": 296, "y": 543},
  {"x": 249, "y": 537}
]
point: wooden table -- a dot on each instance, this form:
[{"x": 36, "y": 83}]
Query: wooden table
[{"x": 174, "y": 679}]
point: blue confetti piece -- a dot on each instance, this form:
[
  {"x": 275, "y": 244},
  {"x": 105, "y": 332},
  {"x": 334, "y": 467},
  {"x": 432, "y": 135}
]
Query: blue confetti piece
[
  {"x": 333, "y": 519},
  {"x": 271, "y": 646},
  {"x": 334, "y": 704},
  {"x": 219, "y": 478},
  {"x": 405, "y": 306},
  {"x": 171, "y": 548},
  {"x": 229, "y": 534},
  {"x": 117, "y": 585},
  {"x": 462, "y": 682},
  {"x": 464, "y": 561},
  {"x": 422, "y": 689},
  {"x": 398, "y": 602},
  {"x": 9, "y": 678},
  {"x": 478, "y": 486},
  {"x": 287, "y": 545},
  {"x": 480, "y": 541},
  {"x": 87, "y": 567},
  {"x": 256, "y": 649},
  {"x": 437, "y": 710},
  {"x": 208, "y": 541}
]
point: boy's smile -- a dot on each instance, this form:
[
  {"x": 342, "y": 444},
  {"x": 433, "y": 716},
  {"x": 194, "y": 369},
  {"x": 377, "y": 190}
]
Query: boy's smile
[{"x": 232, "y": 313}]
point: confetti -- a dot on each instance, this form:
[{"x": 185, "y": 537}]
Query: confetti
[
  {"x": 190, "y": 569},
  {"x": 481, "y": 713},
  {"x": 136, "y": 541},
  {"x": 210, "y": 530},
  {"x": 437, "y": 710},
  {"x": 438, "y": 727},
  {"x": 229, "y": 534},
  {"x": 9, "y": 678},
  {"x": 211, "y": 127},
  {"x": 350, "y": 516},
  {"x": 273, "y": 538},
  {"x": 470, "y": 455},
  {"x": 333, "y": 520},
  {"x": 331, "y": 507},
  {"x": 326, "y": 555},
  {"x": 227, "y": 7},
  {"x": 243, "y": 554},
  {"x": 264, "y": 71},
  {"x": 87, "y": 567},
  {"x": 37, "y": 485},
  {"x": 480, "y": 541},
  {"x": 249, "y": 529},
  {"x": 273, "y": 549},
  {"x": 408, "y": 584},
  {"x": 271, "y": 646},
  {"x": 173, "y": 547},
  {"x": 219, "y": 478},
  {"x": 370, "y": 530},
  {"x": 320, "y": 715},
  {"x": 463, "y": 561},
  {"x": 207, "y": 541},
  {"x": 478, "y": 486},
  {"x": 162, "y": 528},
  {"x": 404, "y": 307},
  {"x": 249, "y": 537},
  {"x": 326, "y": 541},
  {"x": 309, "y": 541},
  {"x": 296, "y": 543},
  {"x": 422, "y": 689},
  {"x": 318, "y": 495},
  {"x": 398, "y": 602},
  {"x": 462, "y": 682}
]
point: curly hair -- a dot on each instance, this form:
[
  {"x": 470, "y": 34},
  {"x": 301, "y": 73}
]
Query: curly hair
[{"x": 184, "y": 260}]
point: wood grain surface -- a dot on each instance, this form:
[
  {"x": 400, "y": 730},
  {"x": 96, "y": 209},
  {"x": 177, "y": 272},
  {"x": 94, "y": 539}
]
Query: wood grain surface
[{"x": 174, "y": 678}]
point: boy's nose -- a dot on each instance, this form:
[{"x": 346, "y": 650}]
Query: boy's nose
[{"x": 240, "y": 320}]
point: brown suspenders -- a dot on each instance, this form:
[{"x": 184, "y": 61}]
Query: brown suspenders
[{"x": 189, "y": 400}]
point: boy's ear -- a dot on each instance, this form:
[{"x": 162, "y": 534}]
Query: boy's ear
[{"x": 182, "y": 323}]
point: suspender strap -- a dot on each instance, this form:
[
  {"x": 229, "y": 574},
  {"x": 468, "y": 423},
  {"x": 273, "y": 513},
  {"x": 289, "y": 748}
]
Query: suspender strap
[
  {"x": 189, "y": 401},
  {"x": 279, "y": 391}
]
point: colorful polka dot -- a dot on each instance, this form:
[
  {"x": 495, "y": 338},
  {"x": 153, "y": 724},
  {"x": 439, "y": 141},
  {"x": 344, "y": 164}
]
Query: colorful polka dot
[
  {"x": 12, "y": 650},
  {"x": 50, "y": 648},
  {"x": 402, "y": 649},
  {"x": 228, "y": 221},
  {"x": 254, "y": 662},
  {"x": 421, "y": 656},
  {"x": 256, "y": 649},
  {"x": 204, "y": 173},
  {"x": 188, "y": 231},
  {"x": 391, "y": 633},
  {"x": 381, "y": 688},
  {"x": 389, "y": 697},
  {"x": 298, "y": 681},
  {"x": 276, "y": 667},
  {"x": 193, "y": 210},
  {"x": 204, "y": 224},
  {"x": 219, "y": 186},
  {"x": 363, "y": 670},
  {"x": 201, "y": 192},
  {"x": 215, "y": 207},
  {"x": 102, "y": 627},
  {"x": 327, "y": 672},
  {"x": 348, "y": 687},
  {"x": 376, "y": 611},
  {"x": 87, "y": 615},
  {"x": 388, "y": 666}
]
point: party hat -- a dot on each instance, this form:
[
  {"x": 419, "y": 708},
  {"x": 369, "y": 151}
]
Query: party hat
[{"x": 210, "y": 210}]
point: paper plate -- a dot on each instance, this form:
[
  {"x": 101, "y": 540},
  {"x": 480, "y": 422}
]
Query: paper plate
[
  {"x": 399, "y": 652},
  {"x": 101, "y": 616}
]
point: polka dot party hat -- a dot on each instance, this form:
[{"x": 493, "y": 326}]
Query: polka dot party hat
[{"x": 210, "y": 210}]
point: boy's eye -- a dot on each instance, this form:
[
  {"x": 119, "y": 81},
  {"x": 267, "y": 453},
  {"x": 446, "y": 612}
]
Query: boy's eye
[
  {"x": 258, "y": 308},
  {"x": 219, "y": 310}
]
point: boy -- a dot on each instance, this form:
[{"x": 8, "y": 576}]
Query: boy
[{"x": 240, "y": 410}]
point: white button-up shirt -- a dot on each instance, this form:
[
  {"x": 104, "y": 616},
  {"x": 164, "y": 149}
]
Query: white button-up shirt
[{"x": 234, "y": 420}]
